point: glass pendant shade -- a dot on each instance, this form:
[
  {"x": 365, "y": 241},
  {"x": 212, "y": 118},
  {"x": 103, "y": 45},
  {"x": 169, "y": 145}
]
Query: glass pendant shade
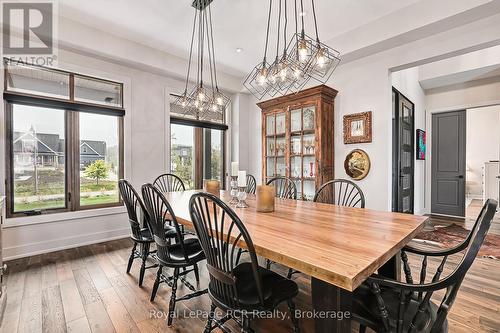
[
  {"x": 257, "y": 82},
  {"x": 324, "y": 62},
  {"x": 205, "y": 101},
  {"x": 221, "y": 100},
  {"x": 303, "y": 58}
]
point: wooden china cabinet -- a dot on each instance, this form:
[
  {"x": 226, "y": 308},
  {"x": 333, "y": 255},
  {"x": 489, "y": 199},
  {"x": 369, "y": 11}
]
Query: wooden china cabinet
[{"x": 297, "y": 138}]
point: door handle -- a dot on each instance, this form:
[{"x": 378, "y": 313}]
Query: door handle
[{"x": 460, "y": 176}]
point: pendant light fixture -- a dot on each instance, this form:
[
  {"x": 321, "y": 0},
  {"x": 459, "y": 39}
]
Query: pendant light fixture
[
  {"x": 204, "y": 101},
  {"x": 299, "y": 60}
]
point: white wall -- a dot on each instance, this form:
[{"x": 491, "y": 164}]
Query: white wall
[
  {"x": 407, "y": 82},
  {"x": 466, "y": 95},
  {"x": 483, "y": 144}
]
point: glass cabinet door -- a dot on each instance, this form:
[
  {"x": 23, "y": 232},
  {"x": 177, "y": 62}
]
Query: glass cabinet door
[
  {"x": 296, "y": 120},
  {"x": 295, "y": 145},
  {"x": 309, "y": 115},
  {"x": 280, "y": 123},
  {"x": 290, "y": 144},
  {"x": 270, "y": 146},
  {"x": 309, "y": 144},
  {"x": 309, "y": 190},
  {"x": 270, "y": 125},
  {"x": 296, "y": 167},
  {"x": 309, "y": 167},
  {"x": 280, "y": 166},
  {"x": 270, "y": 163},
  {"x": 280, "y": 146}
]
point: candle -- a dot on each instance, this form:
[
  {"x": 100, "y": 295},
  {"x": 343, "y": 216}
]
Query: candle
[
  {"x": 234, "y": 169},
  {"x": 213, "y": 187},
  {"x": 265, "y": 198},
  {"x": 242, "y": 179}
]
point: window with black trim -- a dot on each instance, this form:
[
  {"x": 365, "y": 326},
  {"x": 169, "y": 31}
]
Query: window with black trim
[
  {"x": 63, "y": 153},
  {"x": 197, "y": 147}
]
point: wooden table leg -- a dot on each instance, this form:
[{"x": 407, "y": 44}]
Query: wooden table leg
[
  {"x": 332, "y": 307},
  {"x": 392, "y": 268}
]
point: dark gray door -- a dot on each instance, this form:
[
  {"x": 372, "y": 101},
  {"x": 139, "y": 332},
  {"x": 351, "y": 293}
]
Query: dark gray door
[
  {"x": 403, "y": 154},
  {"x": 448, "y": 163}
]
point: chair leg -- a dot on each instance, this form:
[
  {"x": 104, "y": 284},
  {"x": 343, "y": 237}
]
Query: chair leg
[
  {"x": 196, "y": 273},
  {"x": 238, "y": 256},
  {"x": 157, "y": 283},
  {"x": 131, "y": 258},
  {"x": 208, "y": 326},
  {"x": 171, "y": 304},
  {"x": 362, "y": 328},
  {"x": 268, "y": 263},
  {"x": 245, "y": 325},
  {"x": 290, "y": 273},
  {"x": 295, "y": 320},
  {"x": 145, "y": 253}
]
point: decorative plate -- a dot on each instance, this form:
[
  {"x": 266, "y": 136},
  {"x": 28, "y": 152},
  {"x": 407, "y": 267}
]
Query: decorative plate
[{"x": 357, "y": 164}]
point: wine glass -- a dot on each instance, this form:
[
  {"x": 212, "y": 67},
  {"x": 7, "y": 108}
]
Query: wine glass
[{"x": 307, "y": 146}]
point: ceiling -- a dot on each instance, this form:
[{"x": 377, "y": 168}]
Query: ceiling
[
  {"x": 473, "y": 66},
  {"x": 166, "y": 24},
  {"x": 462, "y": 77}
]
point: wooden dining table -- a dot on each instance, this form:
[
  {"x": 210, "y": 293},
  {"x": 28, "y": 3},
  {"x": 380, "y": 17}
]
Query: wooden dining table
[{"x": 338, "y": 247}]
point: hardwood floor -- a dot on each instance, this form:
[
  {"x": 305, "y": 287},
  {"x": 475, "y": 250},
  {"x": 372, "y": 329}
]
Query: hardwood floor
[
  {"x": 87, "y": 290},
  {"x": 471, "y": 213}
]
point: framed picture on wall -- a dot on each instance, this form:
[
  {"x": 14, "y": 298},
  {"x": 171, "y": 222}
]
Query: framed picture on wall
[
  {"x": 358, "y": 127},
  {"x": 421, "y": 143}
]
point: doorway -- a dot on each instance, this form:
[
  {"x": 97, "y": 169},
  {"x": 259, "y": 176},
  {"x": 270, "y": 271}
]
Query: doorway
[
  {"x": 465, "y": 160},
  {"x": 448, "y": 163},
  {"x": 403, "y": 147},
  {"x": 482, "y": 158}
]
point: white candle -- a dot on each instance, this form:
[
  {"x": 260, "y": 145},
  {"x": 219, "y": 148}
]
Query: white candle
[
  {"x": 242, "y": 179},
  {"x": 234, "y": 169}
]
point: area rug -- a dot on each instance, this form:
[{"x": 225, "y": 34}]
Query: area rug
[{"x": 451, "y": 235}]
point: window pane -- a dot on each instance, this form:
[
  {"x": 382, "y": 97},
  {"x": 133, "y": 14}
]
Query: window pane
[
  {"x": 99, "y": 159},
  {"x": 97, "y": 91},
  {"x": 39, "y": 81},
  {"x": 39, "y": 158},
  {"x": 182, "y": 153},
  {"x": 213, "y": 154}
]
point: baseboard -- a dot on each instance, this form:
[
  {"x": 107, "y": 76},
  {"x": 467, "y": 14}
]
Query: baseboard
[
  {"x": 447, "y": 217},
  {"x": 31, "y": 249}
]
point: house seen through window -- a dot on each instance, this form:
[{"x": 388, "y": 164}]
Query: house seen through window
[{"x": 62, "y": 155}]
